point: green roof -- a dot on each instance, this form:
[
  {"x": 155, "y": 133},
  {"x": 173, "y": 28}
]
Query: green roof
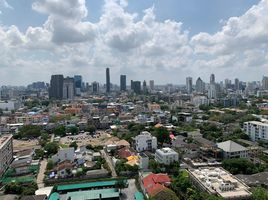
[
  {"x": 93, "y": 194},
  {"x": 86, "y": 185},
  {"x": 138, "y": 196},
  {"x": 54, "y": 196}
]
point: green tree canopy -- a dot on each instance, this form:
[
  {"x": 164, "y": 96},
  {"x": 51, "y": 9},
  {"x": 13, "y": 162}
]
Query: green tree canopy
[{"x": 51, "y": 148}]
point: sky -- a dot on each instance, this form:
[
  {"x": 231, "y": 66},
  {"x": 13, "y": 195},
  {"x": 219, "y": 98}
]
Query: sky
[{"x": 161, "y": 40}]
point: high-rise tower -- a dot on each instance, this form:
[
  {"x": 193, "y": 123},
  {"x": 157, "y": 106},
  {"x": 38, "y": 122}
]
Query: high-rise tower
[
  {"x": 108, "y": 84},
  {"x": 56, "y": 87},
  {"x": 189, "y": 85},
  {"x": 123, "y": 82}
]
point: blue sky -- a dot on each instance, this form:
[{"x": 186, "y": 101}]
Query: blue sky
[
  {"x": 197, "y": 16},
  {"x": 144, "y": 39}
]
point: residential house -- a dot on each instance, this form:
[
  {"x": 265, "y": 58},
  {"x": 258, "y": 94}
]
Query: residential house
[{"x": 233, "y": 150}]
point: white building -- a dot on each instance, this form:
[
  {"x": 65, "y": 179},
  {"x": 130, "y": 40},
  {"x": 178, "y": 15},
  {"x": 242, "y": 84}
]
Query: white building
[
  {"x": 219, "y": 182},
  {"x": 233, "y": 150},
  {"x": 212, "y": 92},
  {"x": 200, "y": 100},
  {"x": 145, "y": 142},
  {"x": 166, "y": 156},
  {"x": 256, "y": 130},
  {"x": 9, "y": 105},
  {"x": 6, "y": 152},
  {"x": 64, "y": 154}
]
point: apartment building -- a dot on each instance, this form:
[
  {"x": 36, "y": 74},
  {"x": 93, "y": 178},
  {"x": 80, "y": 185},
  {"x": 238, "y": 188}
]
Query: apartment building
[
  {"x": 145, "y": 142},
  {"x": 256, "y": 130},
  {"x": 219, "y": 182},
  {"x": 6, "y": 152}
]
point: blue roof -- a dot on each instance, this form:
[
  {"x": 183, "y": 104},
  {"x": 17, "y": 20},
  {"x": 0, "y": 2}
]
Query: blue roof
[
  {"x": 86, "y": 185},
  {"x": 93, "y": 194},
  {"x": 138, "y": 196},
  {"x": 54, "y": 196}
]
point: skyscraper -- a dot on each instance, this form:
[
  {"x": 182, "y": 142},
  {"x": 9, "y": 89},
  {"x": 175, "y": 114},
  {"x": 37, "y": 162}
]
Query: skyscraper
[
  {"x": 151, "y": 85},
  {"x": 78, "y": 84},
  {"x": 56, "y": 87},
  {"x": 212, "y": 79},
  {"x": 189, "y": 85},
  {"x": 212, "y": 92},
  {"x": 131, "y": 84},
  {"x": 136, "y": 87},
  {"x": 123, "y": 82},
  {"x": 199, "y": 86},
  {"x": 95, "y": 87},
  {"x": 68, "y": 88},
  {"x": 108, "y": 83},
  {"x": 237, "y": 84},
  {"x": 144, "y": 86},
  {"x": 265, "y": 82}
]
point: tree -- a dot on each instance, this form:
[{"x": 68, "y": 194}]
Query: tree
[
  {"x": 13, "y": 188},
  {"x": 166, "y": 194},
  {"x": 60, "y": 131},
  {"x": 162, "y": 135},
  {"x": 39, "y": 154},
  {"x": 51, "y": 148},
  {"x": 91, "y": 129},
  {"x": 30, "y": 189},
  {"x": 29, "y": 131},
  {"x": 120, "y": 184},
  {"x": 242, "y": 166},
  {"x": 72, "y": 129},
  {"x": 154, "y": 165},
  {"x": 74, "y": 145},
  {"x": 260, "y": 193},
  {"x": 50, "y": 164}
]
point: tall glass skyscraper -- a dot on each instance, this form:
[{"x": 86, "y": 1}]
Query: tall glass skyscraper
[
  {"x": 123, "y": 82},
  {"x": 108, "y": 83}
]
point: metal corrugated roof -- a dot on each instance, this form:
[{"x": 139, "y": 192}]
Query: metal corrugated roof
[{"x": 86, "y": 185}]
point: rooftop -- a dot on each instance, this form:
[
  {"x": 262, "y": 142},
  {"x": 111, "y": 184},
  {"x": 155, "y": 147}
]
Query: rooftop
[
  {"x": 230, "y": 146},
  {"x": 220, "y": 182},
  {"x": 86, "y": 185},
  {"x": 258, "y": 123},
  {"x": 93, "y": 194},
  {"x": 166, "y": 150}
]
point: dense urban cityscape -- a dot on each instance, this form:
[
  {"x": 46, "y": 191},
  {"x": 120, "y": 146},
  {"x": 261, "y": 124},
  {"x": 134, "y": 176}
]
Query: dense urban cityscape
[
  {"x": 68, "y": 138},
  {"x": 133, "y": 100}
]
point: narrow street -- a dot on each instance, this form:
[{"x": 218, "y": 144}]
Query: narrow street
[
  {"x": 129, "y": 192},
  {"x": 109, "y": 161},
  {"x": 41, "y": 174}
]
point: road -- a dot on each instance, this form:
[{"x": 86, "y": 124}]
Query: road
[
  {"x": 52, "y": 137},
  {"x": 41, "y": 174},
  {"x": 129, "y": 192},
  {"x": 110, "y": 163}
]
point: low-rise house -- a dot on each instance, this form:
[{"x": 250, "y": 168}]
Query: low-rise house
[
  {"x": 166, "y": 156},
  {"x": 64, "y": 154},
  {"x": 233, "y": 150},
  {"x": 64, "y": 168},
  {"x": 153, "y": 183},
  {"x": 125, "y": 152}
]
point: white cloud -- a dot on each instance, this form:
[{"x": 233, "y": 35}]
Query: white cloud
[{"x": 140, "y": 46}]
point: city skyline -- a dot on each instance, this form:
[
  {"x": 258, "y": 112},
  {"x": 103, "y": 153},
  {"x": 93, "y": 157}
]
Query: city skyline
[{"x": 153, "y": 40}]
